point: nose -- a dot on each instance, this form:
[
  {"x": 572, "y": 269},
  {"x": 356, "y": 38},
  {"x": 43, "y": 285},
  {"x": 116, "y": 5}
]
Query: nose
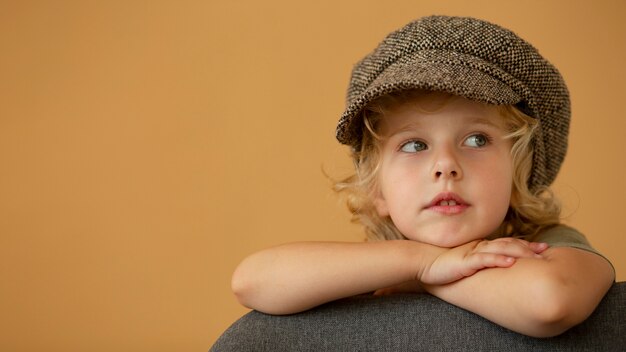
[{"x": 446, "y": 166}]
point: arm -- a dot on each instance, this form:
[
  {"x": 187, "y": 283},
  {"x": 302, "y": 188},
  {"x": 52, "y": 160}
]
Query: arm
[
  {"x": 298, "y": 276},
  {"x": 295, "y": 277},
  {"x": 536, "y": 297}
]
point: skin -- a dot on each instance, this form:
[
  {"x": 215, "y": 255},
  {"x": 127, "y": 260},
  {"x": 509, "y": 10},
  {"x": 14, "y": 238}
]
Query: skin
[
  {"x": 458, "y": 151},
  {"x": 526, "y": 287}
]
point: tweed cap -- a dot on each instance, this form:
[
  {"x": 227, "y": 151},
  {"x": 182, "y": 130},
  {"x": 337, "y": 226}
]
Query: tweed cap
[{"x": 474, "y": 59}]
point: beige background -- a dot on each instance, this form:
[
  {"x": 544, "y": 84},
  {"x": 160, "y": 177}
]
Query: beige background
[{"x": 146, "y": 147}]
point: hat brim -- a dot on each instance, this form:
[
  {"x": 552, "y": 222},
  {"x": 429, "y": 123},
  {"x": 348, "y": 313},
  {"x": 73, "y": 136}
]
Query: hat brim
[{"x": 462, "y": 75}]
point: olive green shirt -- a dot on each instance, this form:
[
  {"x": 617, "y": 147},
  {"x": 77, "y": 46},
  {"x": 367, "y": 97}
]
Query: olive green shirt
[{"x": 565, "y": 236}]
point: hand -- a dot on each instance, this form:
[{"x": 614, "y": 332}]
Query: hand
[{"x": 452, "y": 264}]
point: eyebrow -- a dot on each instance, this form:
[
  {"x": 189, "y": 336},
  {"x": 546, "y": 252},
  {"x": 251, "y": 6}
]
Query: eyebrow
[{"x": 474, "y": 120}]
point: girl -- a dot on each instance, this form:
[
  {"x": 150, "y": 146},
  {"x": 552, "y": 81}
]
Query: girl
[{"x": 457, "y": 128}]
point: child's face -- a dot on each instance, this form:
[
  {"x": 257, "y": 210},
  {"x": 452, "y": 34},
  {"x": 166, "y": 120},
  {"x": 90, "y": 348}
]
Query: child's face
[{"x": 446, "y": 176}]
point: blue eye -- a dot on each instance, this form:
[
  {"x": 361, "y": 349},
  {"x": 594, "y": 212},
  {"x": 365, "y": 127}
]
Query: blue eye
[
  {"x": 476, "y": 140},
  {"x": 413, "y": 147}
]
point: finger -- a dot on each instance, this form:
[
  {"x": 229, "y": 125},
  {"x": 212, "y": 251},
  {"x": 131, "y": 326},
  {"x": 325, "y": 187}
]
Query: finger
[
  {"x": 504, "y": 241},
  {"x": 538, "y": 247},
  {"x": 479, "y": 261},
  {"x": 535, "y": 247},
  {"x": 511, "y": 239},
  {"x": 515, "y": 249}
]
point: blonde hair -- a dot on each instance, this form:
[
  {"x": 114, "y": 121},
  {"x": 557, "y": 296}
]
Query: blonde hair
[{"x": 529, "y": 211}]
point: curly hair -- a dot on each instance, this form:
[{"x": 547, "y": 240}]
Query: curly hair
[{"x": 528, "y": 214}]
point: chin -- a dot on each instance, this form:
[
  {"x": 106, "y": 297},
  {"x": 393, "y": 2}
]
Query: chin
[
  {"x": 451, "y": 243},
  {"x": 449, "y": 238}
]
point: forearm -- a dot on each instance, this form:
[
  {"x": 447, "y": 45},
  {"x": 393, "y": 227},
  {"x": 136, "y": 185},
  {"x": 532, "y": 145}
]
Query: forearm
[
  {"x": 536, "y": 297},
  {"x": 299, "y": 276}
]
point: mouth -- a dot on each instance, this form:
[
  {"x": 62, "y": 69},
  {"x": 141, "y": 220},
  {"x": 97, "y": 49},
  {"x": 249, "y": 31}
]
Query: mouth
[{"x": 448, "y": 203}]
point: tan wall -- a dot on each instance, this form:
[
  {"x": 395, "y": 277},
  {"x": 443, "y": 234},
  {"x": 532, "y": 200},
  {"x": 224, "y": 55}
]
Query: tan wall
[{"x": 146, "y": 147}]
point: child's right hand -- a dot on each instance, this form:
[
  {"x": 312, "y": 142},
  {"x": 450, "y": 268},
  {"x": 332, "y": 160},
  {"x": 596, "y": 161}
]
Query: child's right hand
[{"x": 452, "y": 264}]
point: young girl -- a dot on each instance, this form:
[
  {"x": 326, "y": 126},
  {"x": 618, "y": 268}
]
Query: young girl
[{"x": 457, "y": 128}]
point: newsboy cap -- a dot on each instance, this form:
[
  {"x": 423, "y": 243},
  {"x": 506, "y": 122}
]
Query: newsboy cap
[{"x": 474, "y": 59}]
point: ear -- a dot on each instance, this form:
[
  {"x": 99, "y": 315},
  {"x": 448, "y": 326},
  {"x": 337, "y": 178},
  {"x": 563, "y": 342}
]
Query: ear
[{"x": 381, "y": 205}]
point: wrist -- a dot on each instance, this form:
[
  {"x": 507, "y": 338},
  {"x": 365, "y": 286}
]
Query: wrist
[{"x": 419, "y": 258}]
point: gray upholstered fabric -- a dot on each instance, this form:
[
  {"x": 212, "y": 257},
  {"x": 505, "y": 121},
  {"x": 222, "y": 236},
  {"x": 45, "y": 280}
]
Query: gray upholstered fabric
[{"x": 415, "y": 323}]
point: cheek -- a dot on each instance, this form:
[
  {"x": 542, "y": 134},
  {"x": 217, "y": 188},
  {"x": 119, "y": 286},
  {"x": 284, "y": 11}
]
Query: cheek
[
  {"x": 498, "y": 186},
  {"x": 399, "y": 178},
  {"x": 398, "y": 184}
]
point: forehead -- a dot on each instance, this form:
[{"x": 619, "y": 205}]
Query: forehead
[{"x": 417, "y": 111}]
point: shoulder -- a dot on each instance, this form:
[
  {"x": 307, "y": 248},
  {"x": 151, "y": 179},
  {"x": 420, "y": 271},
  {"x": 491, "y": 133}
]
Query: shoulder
[{"x": 567, "y": 237}]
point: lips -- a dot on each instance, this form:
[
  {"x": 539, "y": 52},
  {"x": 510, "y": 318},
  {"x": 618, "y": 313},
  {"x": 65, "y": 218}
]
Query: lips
[{"x": 448, "y": 203}]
